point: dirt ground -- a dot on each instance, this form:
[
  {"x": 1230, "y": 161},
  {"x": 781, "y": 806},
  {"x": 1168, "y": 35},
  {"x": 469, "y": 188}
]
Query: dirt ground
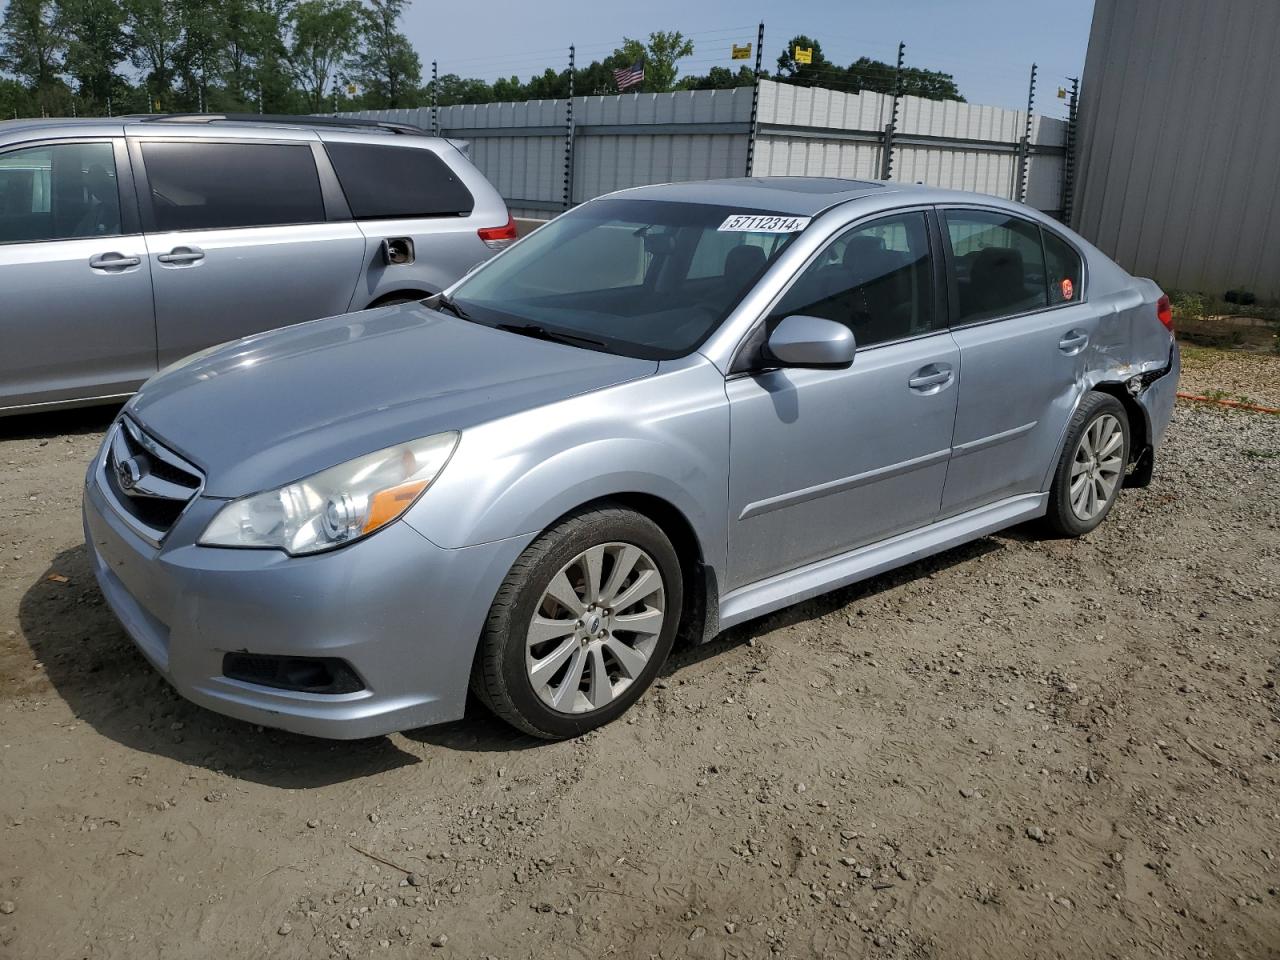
[{"x": 1021, "y": 748}]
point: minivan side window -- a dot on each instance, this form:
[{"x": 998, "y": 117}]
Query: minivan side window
[
  {"x": 1065, "y": 270},
  {"x": 59, "y": 192},
  {"x": 383, "y": 181},
  {"x": 876, "y": 278},
  {"x": 210, "y": 186},
  {"x": 998, "y": 264}
]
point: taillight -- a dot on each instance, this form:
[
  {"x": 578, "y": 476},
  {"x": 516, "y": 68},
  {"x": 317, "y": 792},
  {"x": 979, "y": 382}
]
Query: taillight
[
  {"x": 1164, "y": 310},
  {"x": 495, "y": 238}
]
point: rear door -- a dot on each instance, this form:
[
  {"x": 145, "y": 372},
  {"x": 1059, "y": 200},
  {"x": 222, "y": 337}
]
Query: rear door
[
  {"x": 244, "y": 235},
  {"x": 1024, "y": 333},
  {"x": 75, "y": 292}
]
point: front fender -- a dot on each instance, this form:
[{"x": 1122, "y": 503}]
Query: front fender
[{"x": 665, "y": 436}]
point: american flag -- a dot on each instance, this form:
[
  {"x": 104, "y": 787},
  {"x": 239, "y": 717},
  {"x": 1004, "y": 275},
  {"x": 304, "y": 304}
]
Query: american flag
[{"x": 629, "y": 76}]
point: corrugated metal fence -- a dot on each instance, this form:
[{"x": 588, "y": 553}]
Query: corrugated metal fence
[{"x": 622, "y": 141}]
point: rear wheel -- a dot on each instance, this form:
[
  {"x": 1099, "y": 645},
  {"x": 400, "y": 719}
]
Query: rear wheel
[
  {"x": 1090, "y": 472},
  {"x": 581, "y": 625}
]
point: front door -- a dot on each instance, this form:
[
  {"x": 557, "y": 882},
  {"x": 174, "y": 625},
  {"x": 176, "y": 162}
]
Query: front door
[
  {"x": 824, "y": 461},
  {"x": 239, "y": 241},
  {"x": 75, "y": 308}
]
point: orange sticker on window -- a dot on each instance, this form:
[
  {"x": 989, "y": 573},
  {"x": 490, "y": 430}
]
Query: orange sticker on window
[{"x": 1068, "y": 289}]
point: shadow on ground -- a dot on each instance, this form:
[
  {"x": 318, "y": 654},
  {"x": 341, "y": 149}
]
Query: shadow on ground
[{"x": 107, "y": 683}]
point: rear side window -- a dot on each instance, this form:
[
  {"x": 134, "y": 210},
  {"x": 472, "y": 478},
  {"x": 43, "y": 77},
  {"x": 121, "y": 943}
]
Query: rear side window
[
  {"x": 208, "y": 186},
  {"x": 383, "y": 181},
  {"x": 998, "y": 262},
  {"x": 1064, "y": 269},
  {"x": 58, "y": 192}
]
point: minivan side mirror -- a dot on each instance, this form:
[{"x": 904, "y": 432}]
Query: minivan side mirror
[{"x": 801, "y": 341}]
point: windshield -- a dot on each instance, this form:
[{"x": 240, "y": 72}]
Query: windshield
[{"x": 643, "y": 278}]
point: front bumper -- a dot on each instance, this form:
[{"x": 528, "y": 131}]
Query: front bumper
[{"x": 403, "y": 612}]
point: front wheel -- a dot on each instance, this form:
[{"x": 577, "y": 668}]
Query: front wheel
[
  {"x": 1090, "y": 472},
  {"x": 581, "y": 625}
]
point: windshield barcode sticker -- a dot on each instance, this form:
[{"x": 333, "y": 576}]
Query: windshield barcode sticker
[{"x": 757, "y": 223}]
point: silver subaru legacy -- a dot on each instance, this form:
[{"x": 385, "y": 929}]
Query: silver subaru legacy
[{"x": 666, "y": 412}]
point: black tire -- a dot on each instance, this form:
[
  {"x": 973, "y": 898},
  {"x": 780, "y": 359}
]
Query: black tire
[
  {"x": 500, "y": 677},
  {"x": 1061, "y": 518}
]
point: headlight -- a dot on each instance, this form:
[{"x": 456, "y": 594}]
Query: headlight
[{"x": 335, "y": 506}]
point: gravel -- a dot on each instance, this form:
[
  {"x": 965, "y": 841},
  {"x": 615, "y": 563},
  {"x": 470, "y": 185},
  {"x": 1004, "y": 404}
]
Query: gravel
[{"x": 1146, "y": 764}]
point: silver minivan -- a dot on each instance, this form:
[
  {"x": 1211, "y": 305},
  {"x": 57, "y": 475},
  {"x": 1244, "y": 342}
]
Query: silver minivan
[{"x": 127, "y": 244}]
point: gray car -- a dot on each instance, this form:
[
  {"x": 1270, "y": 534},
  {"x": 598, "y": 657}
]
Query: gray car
[
  {"x": 128, "y": 243},
  {"x": 668, "y": 411}
]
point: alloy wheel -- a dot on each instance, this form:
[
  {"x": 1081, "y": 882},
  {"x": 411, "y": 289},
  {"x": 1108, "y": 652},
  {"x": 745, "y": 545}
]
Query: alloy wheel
[
  {"x": 595, "y": 627},
  {"x": 1097, "y": 468}
]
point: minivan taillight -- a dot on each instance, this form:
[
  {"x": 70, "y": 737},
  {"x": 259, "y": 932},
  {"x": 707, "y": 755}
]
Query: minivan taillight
[
  {"x": 495, "y": 238},
  {"x": 1164, "y": 310}
]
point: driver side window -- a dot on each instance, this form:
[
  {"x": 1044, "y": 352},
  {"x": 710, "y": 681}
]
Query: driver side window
[{"x": 875, "y": 278}]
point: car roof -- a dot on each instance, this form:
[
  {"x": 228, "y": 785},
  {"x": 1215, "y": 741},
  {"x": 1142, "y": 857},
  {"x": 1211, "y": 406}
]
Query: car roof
[
  {"x": 192, "y": 124},
  {"x": 800, "y": 196}
]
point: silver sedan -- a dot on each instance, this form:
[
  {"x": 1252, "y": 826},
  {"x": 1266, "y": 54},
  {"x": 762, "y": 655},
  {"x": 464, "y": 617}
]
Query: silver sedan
[{"x": 666, "y": 412}]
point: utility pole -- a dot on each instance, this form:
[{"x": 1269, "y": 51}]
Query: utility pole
[
  {"x": 1024, "y": 150},
  {"x": 1069, "y": 159},
  {"x": 435, "y": 77},
  {"x": 259, "y": 97},
  {"x": 886, "y": 150},
  {"x": 755, "y": 103},
  {"x": 568, "y": 137}
]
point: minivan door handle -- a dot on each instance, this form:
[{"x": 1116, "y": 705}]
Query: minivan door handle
[
  {"x": 930, "y": 378},
  {"x": 182, "y": 255},
  {"x": 1073, "y": 341},
  {"x": 113, "y": 261}
]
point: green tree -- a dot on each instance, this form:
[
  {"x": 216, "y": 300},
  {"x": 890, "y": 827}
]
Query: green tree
[
  {"x": 96, "y": 45},
  {"x": 32, "y": 41},
  {"x": 323, "y": 35},
  {"x": 659, "y": 55},
  {"x": 155, "y": 38},
  {"x": 812, "y": 74},
  {"x": 721, "y": 78},
  {"x": 451, "y": 89},
  {"x": 879, "y": 77},
  {"x": 386, "y": 65},
  {"x": 200, "y": 55}
]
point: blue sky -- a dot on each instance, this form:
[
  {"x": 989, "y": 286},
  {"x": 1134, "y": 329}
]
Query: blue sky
[{"x": 988, "y": 45}]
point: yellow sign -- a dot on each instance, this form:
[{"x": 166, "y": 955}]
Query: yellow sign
[
  {"x": 804, "y": 54},
  {"x": 351, "y": 89},
  {"x": 742, "y": 52},
  {"x": 1062, "y": 93}
]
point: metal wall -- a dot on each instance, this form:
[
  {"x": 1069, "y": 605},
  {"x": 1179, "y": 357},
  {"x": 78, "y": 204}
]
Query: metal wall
[
  {"x": 631, "y": 139},
  {"x": 1179, "y": 159}
]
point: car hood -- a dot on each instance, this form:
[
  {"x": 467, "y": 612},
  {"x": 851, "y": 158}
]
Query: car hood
[{"x": 264, "y": 411}]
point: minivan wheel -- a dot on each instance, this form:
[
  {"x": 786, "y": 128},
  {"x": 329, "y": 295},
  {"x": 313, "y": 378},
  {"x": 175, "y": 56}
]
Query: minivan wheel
[
  {"x": 1091, "y": 470},
  {"x": 581, "y": 625}
]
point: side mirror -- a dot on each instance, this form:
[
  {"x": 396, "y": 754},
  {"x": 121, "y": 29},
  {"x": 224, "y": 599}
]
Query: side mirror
[{"x": 800, "y": 341}]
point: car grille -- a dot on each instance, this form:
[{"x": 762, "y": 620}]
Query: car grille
[{"x": 149, "y": 483}]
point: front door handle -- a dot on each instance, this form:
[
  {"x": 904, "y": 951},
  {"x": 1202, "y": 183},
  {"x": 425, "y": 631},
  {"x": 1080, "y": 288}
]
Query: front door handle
[
  {"x": 1073, "y": 341},
  {"x": 113, "y": 261},
  {"x": 182, "y": 255},
  {"x": 931, "y": 378}
]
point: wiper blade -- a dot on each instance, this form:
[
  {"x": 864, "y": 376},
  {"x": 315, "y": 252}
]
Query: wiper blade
[
  {"x": 542, "y": 333},
  {"x": 441, "y": 302}
]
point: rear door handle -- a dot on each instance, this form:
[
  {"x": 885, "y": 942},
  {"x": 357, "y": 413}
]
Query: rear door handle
[
  {"x": 182, "y": 255},
  {"x": 113, "y": 261},
  {"x": 1073, "y": 342},
  {"x": 931, "y": 378}
]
